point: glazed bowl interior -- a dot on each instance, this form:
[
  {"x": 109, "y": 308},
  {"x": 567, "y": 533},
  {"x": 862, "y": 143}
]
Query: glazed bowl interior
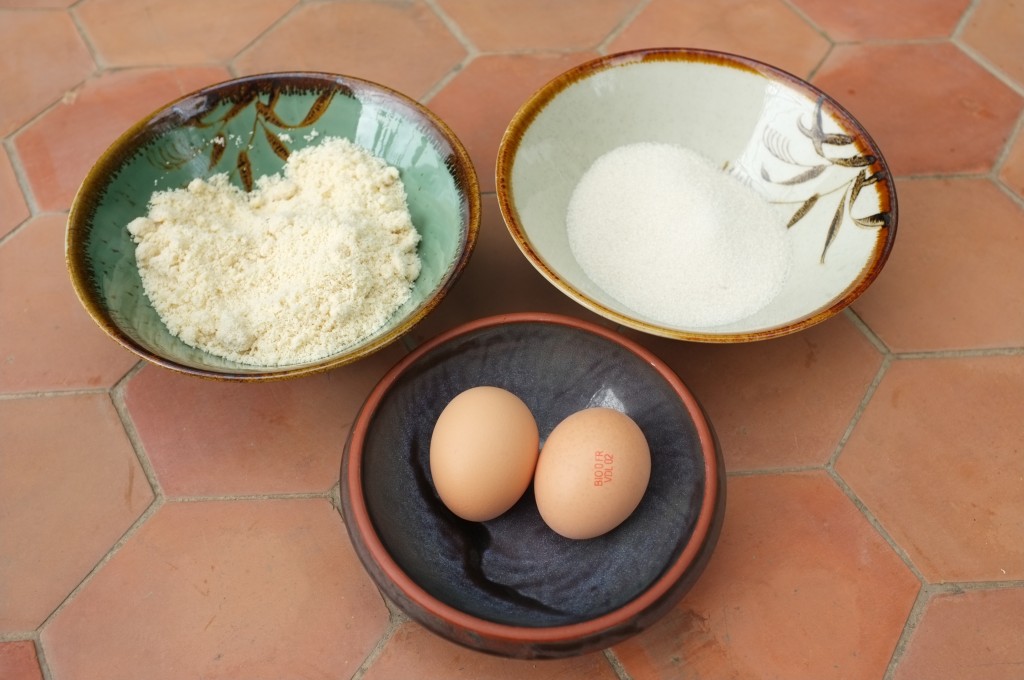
[
  {"x": 247, "y": 128},
  {"x": 787, "y": 140},
  {"x": 511, "y": 585}
]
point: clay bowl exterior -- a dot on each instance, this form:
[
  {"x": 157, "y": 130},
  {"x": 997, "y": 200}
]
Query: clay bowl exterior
[
  {"x": 783, "y": 137},
  {"x": 511, "y": 586},
  {"x": 247, "y": 128}
]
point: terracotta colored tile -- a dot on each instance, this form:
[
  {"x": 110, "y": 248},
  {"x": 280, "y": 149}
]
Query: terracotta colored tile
[
  {"x": 497, "y": 280},
  {"x": 974, "y": 635},
  {"x": 936, "y": 457},
  {"x": 799, "y": 587},
  {"x": 508, "y": 25},
  {"x": 71, "y": 485},
  {"x": 481, "y": 100},
  {"x": 47, "y": 340},
  {"x": 43, "y": 57},
  {"x": 777, "y": 403},
  {"x": 205, "y": 437},
  {"x": 58, "y": 149},
  {"x": 433, "y": 658},
  {"x": 884, "y": 20},
  {"x": 995, "y": 29},
  {"x": 920, "y": 127},
  {"x": 1012, "y": 170},
  {"x": 402, "y": 45},
  {"x": 157, "y": 32},
  {"x": 13, "y": 210},
  {"x": 18, "y": 661},
  {"x": 737, "y": 26},
  {"x": 239, "y": 589},
  {"x": 946, "y": 286}
]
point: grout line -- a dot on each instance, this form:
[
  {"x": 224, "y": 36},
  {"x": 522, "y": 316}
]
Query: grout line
[
  {"x": 910, "y": 625},
  {"x": 965, "y": 18},
  {"x": 90, "y": 46},
  {"x": 395, "y": 621},
  {"x": 227, "y": 498},
  {"x": 876, "y": 524},
  {"x": 821, "y": 62},
  {"x": 447, "y": 78},
  {"x": 229, "y": 62},
  {"x": 959, "y": 353},
  {"x": 819, "y": 29},
  {"x": 613, "y": 661},
  {"x": 53, "y": 393},
  {"x": 456, "y": 31},
  {"x": 150, "y": 510},
  {"x": 620, "y": 28},
  {"x": 21, "y": 177},
  {"x": 867, "y": 331},
  {"x": 987, "y": 65},
  {"x": 869, "y": 393},
  {"x": 44, "y": 664},
  {"x": 783, "y": 470},
  {"x": 117, "y": 397}
]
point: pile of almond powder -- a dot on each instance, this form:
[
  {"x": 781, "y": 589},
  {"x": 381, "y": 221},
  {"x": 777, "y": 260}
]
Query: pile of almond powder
[{"x": 309, "y": 262}]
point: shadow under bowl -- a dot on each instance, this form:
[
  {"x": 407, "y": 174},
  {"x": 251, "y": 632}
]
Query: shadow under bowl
[
  {"x": 247, "y": 128},
  {"x": 511, "y": 586},
  {"x": 787, "y": 140}
]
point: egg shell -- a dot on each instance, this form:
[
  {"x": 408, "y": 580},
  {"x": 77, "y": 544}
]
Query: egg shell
[
  {"x": 483, "y": 452},
  {"x": 592, "y": 473}
]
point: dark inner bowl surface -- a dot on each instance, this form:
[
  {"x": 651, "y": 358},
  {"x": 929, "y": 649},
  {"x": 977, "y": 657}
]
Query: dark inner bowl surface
[{"x": 513, "y": 569}]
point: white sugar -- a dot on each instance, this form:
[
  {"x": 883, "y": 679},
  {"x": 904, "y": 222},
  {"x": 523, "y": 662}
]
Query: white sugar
[{"x": 663, "y": 231}]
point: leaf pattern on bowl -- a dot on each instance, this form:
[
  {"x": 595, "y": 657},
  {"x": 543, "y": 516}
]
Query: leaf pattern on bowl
[
  {"x": 777, "y": 145},
  {"x": 267, "y": 124}
]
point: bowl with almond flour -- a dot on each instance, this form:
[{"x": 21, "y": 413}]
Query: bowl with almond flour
[
  {"x": 696, "y": 195},
  {"x": 273, "y": 226}
]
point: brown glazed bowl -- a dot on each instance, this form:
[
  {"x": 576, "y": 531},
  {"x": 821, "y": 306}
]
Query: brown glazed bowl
[
  {"x": 511, "y": 586},
  {"x": 247, "y": 128},
  {"x": 790, "y": 142}
]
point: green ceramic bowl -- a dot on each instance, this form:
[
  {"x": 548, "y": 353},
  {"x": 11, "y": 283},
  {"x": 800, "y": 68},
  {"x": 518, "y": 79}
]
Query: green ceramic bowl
[{"x": 246, "y": 128}]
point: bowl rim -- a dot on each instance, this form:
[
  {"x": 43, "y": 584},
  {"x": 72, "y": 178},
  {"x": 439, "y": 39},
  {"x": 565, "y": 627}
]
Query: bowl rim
[
  {"x": 362, "y": 531},
  {"x": 96, "y": 179},
  {"x": 538, "y": 101}
]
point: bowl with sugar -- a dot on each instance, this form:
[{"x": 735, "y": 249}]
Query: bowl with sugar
[
  {"x": 273, "y": 225},
  {"x": 696, "y": 195}
]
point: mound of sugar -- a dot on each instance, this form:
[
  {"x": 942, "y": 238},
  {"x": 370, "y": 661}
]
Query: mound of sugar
[
  {"x": 306, "y": 264},
  {"x": 667, "y": 234}
]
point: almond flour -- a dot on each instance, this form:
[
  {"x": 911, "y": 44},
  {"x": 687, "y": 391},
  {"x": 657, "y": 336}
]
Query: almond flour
[{"x": 312, "y": 260}]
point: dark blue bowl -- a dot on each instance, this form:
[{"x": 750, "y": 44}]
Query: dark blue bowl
[{"x": 511, "y": 586}]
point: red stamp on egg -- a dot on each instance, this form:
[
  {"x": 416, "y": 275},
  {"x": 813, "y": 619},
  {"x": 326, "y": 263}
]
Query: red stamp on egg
[{"x": 603, "y": 467}]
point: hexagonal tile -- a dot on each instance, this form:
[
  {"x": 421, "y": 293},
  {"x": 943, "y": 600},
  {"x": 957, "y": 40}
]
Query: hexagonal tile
[
  {"x": 509, "y": 25},
  {"x": 208, "y": 438},
  {"x": 413, "y": 646},
  {"x": 891, "y": 89},
  {"x": 937, "y": 459},
  {"x": 954, "y": 278},
  {"x": 58, "y": 149},
  {"x": 884, "y": 20},
  {"x": 43, "y": 57},
  {"x": 411, "y": 55},
  {"x": 1012, "y": 170},
  {"x": 799, "y": 587},
  {"x": 736, "y": 26},
  {"x": 223, "y": 589},
  {"x": 13, "y": 210},
  {"x": 481, "y": 100},
  {"x": 157, "y": 32},
  {"x": 47, "y": 340},
  {"x": 18, "y": 661},
  {"x": 497, "y": 280},
  {"x": 777, "y": 403},
  {"x": 973, "y": 635},
  {"x": 995, "y": 29},
  {"x": 71, "y": 486}
]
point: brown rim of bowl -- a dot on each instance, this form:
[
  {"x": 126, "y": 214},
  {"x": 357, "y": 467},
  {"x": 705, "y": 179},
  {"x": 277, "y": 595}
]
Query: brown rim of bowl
[
  {"x": 521, "y": 634},
  {"x": 464, "y": 174},
  {"x": 524, "y": 117}
]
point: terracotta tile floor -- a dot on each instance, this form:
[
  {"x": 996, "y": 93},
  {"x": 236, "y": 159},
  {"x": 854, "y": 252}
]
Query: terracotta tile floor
[{"x": 153, "y": 526}]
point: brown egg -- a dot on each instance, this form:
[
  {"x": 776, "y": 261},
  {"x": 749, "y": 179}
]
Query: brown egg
[
  {"x": 483, "y": 452},
  {"x": 592, "y": 473}
]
